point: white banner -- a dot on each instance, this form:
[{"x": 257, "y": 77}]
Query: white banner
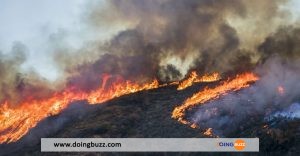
[{"x": 150, "y": 144}]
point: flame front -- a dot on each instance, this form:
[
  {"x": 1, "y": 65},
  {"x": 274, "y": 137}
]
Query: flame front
[
  {"x": 16, "y": 122},
  {"x": 193, "y": 78},
  {"x": 239, "y": 82}
]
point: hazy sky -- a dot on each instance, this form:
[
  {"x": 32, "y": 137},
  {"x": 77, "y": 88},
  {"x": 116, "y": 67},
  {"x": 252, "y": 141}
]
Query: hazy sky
[
  {"x": 32, "y": 21},
  {"x": 23, "y": 20}
]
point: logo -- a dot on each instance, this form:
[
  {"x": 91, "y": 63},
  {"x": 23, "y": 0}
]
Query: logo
[{"x": 237, "y": 144}]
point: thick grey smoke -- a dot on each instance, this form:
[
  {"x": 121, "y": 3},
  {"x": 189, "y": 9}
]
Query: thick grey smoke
[
  {"x": 201, "y": 33},
  {"x": 15, "y": 85},
  {"x": 284, "y": 44},
  {"x": 162, "y": 30}
]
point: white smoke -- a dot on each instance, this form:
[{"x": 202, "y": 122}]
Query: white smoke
[{"x": 291, "y": 112}]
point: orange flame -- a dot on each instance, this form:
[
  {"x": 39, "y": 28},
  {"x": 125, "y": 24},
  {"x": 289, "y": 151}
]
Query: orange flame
[
  {"x": 16, "y": 122},
  {"x": 193, "y": 78},
  {"x": 209, "y": 132},
  {"x": 239, "y": 82}
]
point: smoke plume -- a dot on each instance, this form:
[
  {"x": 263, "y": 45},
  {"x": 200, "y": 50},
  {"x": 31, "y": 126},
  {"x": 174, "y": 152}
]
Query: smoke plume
[
  {"x": 15, "y": 85},
  {"x": 161, "y": 31},
  {"x": 162, "y": 39}
]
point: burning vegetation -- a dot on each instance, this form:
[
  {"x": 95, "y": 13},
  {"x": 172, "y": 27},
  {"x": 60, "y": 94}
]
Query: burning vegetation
[
  {"x": 223, "y": 46},
  {"x": 237, "y": 83},
  {"x": 16, "y": 122},
  {"x": 194, "y": 78}
]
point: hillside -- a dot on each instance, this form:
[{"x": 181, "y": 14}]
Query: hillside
[{"x": 146, "y": 114}]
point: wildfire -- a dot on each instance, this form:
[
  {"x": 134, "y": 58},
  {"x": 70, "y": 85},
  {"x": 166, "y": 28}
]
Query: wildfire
[
  {"x": 101, "y": 95},
  {"x": 239, "y": 82},
  {"x": 16, "y": 122},
  {"x": 193, "y": 78}
]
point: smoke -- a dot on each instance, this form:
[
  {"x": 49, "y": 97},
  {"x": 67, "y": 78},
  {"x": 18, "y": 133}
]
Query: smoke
[
  {"x": 15, "y": 85},
  {"x": 284, "y": 44},
  {"x": 157, "y": 31},
  {"x": 207, "y": 35},
  {"x": 277, "y": 89},
  {"x": 291, "y": 112}
]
